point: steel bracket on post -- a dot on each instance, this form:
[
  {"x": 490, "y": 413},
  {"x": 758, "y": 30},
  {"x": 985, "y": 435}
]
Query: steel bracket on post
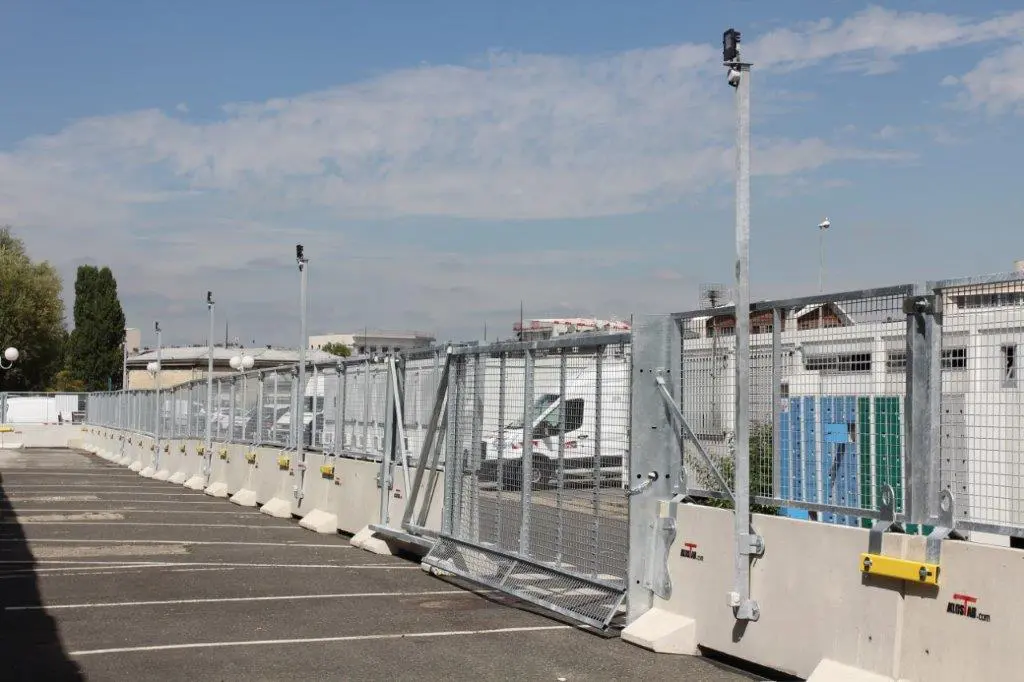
[
  {"x": 657, "y": 578},
  {"x": 945, "y": 530}
]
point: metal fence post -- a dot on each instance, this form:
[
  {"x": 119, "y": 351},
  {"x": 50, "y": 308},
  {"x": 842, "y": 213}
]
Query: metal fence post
[
  {"x": 386, "y": 457},
  {"x": 527, "y": 459},
  {"x": 924, "y": 394},
  {"x": 655, "y": 462}
]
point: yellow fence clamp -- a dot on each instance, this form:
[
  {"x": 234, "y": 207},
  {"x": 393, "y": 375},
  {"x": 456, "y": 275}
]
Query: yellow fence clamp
[
  {"x": 284, "y": 461},
  {"x": 926, "y": 572},
  {"x": 6, "y": 429},
  {"x": 250, "y": 457},
  {"x": 223, "y": 454},
  {"x": 327, "y": 470}
]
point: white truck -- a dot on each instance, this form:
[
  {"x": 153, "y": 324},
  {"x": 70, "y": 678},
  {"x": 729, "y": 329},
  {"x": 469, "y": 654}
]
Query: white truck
[{"x": 596, "y": 442}]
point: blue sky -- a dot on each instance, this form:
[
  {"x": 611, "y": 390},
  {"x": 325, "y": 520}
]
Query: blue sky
[{"x": 442, "y": 161}]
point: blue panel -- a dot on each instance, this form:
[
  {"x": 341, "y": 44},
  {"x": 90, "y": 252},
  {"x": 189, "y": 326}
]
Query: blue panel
[
  {"x": 836, "y": 433},
  {"x": 810, "y": 450},
  {"x": 796, "y": 442},
  {"x": 784, "y": 454}
]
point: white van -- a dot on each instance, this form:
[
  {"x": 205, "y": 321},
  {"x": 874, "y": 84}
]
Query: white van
[{"x": 588, "y": 450}]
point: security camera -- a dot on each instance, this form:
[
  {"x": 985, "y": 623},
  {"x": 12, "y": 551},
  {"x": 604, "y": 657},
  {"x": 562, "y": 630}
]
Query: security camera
[
  {"x": 734, "y": 77},
  {"x": 824, "y": 224}
]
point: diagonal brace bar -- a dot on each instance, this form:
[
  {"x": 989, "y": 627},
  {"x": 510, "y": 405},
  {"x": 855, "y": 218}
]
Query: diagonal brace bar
[{"x": 678, "y": 414}]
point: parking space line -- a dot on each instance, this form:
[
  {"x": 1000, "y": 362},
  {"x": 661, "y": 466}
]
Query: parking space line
[
  {"x": 316, "y": 640},
  {"x": 145, "y": 523},
  {"x": 132, "y": 510},
  {"x": 33, "y": 541},
  {"x": 15, "y": 498},
  {"x": 219, "y": 600}
]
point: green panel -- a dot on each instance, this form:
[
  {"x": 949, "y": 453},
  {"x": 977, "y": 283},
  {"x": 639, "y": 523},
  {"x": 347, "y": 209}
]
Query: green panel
[
  {"x": 864, "y": 443},
  {"x": 888, "y": 453}
]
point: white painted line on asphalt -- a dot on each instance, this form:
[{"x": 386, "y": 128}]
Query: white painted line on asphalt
[
  {"x": 316, "y": 640},
  {"x": 58, "y": 498},
  {"x": 70, "y": 565},
  {"x": 240, "y": 511},
  {"x": 179, "y": 542},
  {"x": 112, "y": 572},
  {"x": 64, "y": 517},
  {"x": 15, "y": 498},
  {"x": 219, "y": 600},
  {"x": 36, "y": 486},
  {"x": 146, "y": 523}
]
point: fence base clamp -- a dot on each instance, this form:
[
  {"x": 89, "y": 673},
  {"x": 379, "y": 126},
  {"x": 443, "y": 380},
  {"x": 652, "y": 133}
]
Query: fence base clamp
[{"x": 945, "y": 530}]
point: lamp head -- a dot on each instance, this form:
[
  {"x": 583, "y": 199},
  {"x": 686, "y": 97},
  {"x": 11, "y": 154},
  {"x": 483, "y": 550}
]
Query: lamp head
[
  {"x": 11, "y": 354},
  {"x": 235, "y": 362}
]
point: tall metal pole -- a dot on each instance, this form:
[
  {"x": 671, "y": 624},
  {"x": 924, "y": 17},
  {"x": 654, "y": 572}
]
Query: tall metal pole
[
  {"x": 300, "y": 420},
  {"x": 821, "y": 259},
  {"x": 159, "y": 405},
  {"x": 747, "y": 543},
  {"x": 209, "y": 391}
]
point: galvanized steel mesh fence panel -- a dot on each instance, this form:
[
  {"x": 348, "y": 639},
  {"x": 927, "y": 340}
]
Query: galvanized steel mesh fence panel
[
  {"x": 827, "y": 403},
  {"x": 422, "y": 373},
  {"x": 276, "y": 407},
  {"x": 537, "y": 450},
  {"x": 982, "y": 402},
  {"x": 365, "y": 395}
]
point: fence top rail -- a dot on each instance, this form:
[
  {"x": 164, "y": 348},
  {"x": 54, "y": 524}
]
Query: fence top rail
[
  {"x": 977, "y": 280},
  {"x": 802, "y": 301},
  {"x": 558, "y": 342}
]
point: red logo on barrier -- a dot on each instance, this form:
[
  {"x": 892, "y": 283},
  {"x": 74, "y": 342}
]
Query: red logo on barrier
[
  {"x": 965, "y": 605},
  {"x": 689, "y": 551}
]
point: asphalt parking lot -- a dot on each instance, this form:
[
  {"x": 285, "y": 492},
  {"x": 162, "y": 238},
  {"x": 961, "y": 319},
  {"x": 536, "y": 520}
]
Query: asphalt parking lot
[{"x": 108, "y": 576}]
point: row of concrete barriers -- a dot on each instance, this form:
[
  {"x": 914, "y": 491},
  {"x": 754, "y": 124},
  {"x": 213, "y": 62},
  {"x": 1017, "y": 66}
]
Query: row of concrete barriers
[
  {"x": 335, "y": 494},
  {"x": 820, "y": 617}
]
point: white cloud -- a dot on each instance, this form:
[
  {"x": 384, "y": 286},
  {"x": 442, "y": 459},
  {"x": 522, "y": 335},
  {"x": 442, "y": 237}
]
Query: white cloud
[
  {"x": 996, "y": 84},
  {"x": 870, "y": 40},
  {"x": 168, "y": 201}
]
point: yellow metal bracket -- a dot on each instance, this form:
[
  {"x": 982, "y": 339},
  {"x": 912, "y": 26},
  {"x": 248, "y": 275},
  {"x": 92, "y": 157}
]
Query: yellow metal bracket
[
  {"x": 6, "y": 429},
  {"x": 327, "y": 470},
  {"x": 900, "y": 569},
  {"x": 250, "y": 457},
  {"x": 283, "y": 462},
  {"x": 223, "y": 453}
]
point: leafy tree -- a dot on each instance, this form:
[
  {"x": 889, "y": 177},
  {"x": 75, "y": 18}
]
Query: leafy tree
[
  {"x": 761, "y": 462},
  {"x": 337, "y": 349},
  {"x": 31, "y": 316},
  {"x": 95, "y": 350}
]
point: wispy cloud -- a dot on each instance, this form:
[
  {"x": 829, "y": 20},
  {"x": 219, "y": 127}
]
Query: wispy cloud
[{"x": 996, "y": 84}]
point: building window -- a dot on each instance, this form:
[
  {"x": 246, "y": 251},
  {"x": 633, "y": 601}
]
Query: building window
[
  {"x": 845, "y": 363},
  {"x": 1009, "y": 366},
  {"x": 954, "y": 358}
]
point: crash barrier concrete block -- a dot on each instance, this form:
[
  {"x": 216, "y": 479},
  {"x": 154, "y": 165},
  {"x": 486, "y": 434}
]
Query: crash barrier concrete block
[
  {"x": 37, "y": 435},
  {"x": 218, "y": 484},
  {"x": 358, "y": 504},
  {"x": 188, "y": 449},
  {"x": 169, "y": 452},
  {"x": 970, "y": 627},
  {"x": 320, "y": 492},
  {"x": 807, "y": 584},
  {"x": 246, "y": 495},
  {"x": 663, "y": 632},
  {"x": 833, "y": 671},
  {"x": 236, "y": 467},
  {"x": 276, "y": 487}
]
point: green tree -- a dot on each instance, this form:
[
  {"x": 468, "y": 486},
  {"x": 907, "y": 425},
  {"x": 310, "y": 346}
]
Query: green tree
[
  {"x": 31, "y": 316},
  {"x": 95, "y": 351},
  {"x": 761, "y": 462},
  {"x": 337, "y": 349}
]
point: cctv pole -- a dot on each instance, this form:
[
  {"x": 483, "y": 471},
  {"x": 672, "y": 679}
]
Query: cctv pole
[
  {"x": 747, "y": 544},
  {"x": 159, "y": 406},
  {"x": 209, "y": 392},
  {"x": 300, "y": 418}
]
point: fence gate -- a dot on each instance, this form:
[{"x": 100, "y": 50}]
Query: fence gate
[{"x": 536, "y": 452}]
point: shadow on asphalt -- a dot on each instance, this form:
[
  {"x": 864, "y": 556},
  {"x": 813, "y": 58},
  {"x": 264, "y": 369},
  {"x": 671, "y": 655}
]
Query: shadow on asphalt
[{"x": 30, "y": 644}]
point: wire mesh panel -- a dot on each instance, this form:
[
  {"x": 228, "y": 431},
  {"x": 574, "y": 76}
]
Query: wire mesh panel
[
  {"x": 277, "y": 404},
  {"x": 422, "y": 374},
  {"x": 982, "y": 403},
  {"x": 537, "y": 445},
  {"x": 827, "y": 403},
  {"x": 365, "y": 395}
]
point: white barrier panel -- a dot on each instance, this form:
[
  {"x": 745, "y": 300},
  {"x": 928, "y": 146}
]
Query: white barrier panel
[
  {"x": 321, "y": 490},
  {"x": 275, "y": 482},
  {"x": 814, "y": 604},
  {"x": 970, "y": 629}
]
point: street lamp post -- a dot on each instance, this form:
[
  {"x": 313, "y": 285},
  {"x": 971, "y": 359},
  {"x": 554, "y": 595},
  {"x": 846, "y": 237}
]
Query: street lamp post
[
  {"x": 208, "y": 456},
  {"x": 242, "y": 362},
  {"x": 822, "y": 226},
  {"x": 300, "y": 419},
  {"x": 748, "y": 544},
  {"x": 154, "y": 370},
  {"x": 11, "y": 356}
]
